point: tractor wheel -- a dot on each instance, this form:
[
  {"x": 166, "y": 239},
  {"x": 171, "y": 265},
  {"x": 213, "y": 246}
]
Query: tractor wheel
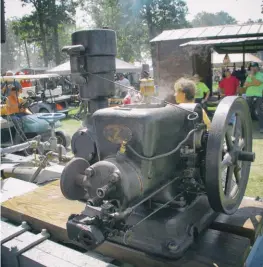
[{"x": 63, "y": 139}]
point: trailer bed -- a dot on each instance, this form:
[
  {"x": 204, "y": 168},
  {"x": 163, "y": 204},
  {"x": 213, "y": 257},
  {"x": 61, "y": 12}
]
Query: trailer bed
[{"x": 227, "y": 243}]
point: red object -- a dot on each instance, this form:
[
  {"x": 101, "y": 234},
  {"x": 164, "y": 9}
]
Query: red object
[
  {"x": 26, "y": 83},
  {"x": 127, "y": 100},
  {"x": 229, "y": 85},
  {"x": 59, "y": 107}
]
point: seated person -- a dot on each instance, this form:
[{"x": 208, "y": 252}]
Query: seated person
[
  {"x": 7, "y": 85},
  {"x": 14, "y": 105},
  {"x": 185, "y": 91}
]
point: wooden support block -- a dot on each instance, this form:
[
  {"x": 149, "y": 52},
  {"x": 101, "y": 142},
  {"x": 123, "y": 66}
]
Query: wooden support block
[
  {"x": 46, "y": 207},
  {"x": 247, "y": 221},
  {"x": 43, "y": 208}
]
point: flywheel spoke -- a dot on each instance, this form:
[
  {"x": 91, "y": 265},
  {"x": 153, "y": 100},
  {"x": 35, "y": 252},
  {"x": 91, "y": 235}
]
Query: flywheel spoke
[
  {"x": 237, "y": 173},
  {"x": 226, "y": 161},
  {"x": 241, "y": 144},
  {"x": 237, "y": 130},
  {"x": 229, "y": 181},
  {"x": 229, "y": 141}
]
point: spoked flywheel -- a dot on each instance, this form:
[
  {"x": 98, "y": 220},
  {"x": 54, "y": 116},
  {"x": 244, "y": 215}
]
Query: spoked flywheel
[{"x": 229, "y": 155}]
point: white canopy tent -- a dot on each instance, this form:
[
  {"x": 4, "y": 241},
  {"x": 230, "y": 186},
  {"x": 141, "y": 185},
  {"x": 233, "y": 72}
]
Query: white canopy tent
[
  {"x": 121, "y": 66},
  {"x": 217, "y": 59}
]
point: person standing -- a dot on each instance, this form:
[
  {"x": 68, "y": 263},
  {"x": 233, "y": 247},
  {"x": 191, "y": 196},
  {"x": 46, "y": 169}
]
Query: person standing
[
  {"x": 254, "y": 89},
  {"x": 229, "y": 85},
  {"x": 202, "y": 92},
  {"x": 122, "y": 85}
]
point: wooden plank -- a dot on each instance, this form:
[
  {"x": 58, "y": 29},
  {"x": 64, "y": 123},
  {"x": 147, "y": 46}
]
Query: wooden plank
[
  {"x": 247, "y": 221},
  {"x": 45, "y": 207}
]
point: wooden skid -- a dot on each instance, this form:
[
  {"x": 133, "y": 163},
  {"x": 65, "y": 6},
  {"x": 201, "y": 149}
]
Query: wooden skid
[{"x": 227, "y": 244}]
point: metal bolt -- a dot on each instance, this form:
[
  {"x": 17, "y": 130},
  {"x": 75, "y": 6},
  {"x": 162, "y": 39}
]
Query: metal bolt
[
  {"x": 172, "y": 246},
  {"x": 44, "y": 232},
  {"x": 115, "y": 177},
  {"x": 14, "y": 249},
  {"x": 23, "y": 224},
  {"x": 89, "y": 172}
]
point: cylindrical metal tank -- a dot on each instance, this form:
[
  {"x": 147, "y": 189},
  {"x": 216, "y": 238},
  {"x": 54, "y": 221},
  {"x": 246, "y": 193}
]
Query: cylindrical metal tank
[{"x": 94, "y": 67}]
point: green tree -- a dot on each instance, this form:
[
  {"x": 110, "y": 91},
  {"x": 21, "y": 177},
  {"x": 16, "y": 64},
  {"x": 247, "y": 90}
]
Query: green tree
[
  {"x": 131, "y": 32},
  {"x": 160, "y": 15},
  {"x": 203, "y": 19},
  {"x": 8, "y": 51},
  {"x": 137, "y": 21},
  {"x": 250, "y": 21},
  {"x": 49, "y": 19},
  {"x": 12, "y": 56}
]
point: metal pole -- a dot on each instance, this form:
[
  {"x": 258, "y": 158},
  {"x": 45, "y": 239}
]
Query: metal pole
[
  {"x": 244, "y": 55},
  {"x": 16, "y": 148}
]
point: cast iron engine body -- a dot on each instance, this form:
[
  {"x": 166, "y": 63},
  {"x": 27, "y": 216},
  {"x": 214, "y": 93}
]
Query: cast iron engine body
[
  {"x": 151, "y": 175},
  {"x": 113, "y": 185}
]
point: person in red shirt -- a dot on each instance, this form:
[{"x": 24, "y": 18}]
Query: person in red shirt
[
  {"x": 229, "y": 85},
  {"x": 24, "y": 83}
]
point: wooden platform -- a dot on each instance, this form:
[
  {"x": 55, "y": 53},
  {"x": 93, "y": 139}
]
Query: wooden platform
[{"x": 227, "y": 244}]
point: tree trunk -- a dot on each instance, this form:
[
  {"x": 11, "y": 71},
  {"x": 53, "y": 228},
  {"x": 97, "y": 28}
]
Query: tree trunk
[
  {"x": 55, "y": 38},
  {"x": 43, "y": 39},
  {"x": 56, "y": 44},
  {"x": 27, "y": 55}
]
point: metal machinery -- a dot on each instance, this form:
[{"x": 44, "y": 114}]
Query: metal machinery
[{"x": 151, "y": 175}]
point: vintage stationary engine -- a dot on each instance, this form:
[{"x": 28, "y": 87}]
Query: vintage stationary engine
[{"x": 159, "y": 177}]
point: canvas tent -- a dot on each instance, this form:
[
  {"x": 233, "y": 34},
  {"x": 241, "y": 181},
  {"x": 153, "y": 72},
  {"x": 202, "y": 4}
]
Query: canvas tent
[
  {"x": 217, "y": 59},
  {"x": 121, "y": 66}
]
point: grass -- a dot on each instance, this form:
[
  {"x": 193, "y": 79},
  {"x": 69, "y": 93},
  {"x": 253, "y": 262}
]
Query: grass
[{"x": 255, "y": 183}]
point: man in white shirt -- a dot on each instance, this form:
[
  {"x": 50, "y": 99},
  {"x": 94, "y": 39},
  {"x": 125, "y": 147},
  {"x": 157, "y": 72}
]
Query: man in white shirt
[{"x": 123, "y": 83}]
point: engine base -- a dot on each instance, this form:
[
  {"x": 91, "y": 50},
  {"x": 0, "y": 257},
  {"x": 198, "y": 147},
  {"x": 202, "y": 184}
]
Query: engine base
[{"x": 168, "y": 233}]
